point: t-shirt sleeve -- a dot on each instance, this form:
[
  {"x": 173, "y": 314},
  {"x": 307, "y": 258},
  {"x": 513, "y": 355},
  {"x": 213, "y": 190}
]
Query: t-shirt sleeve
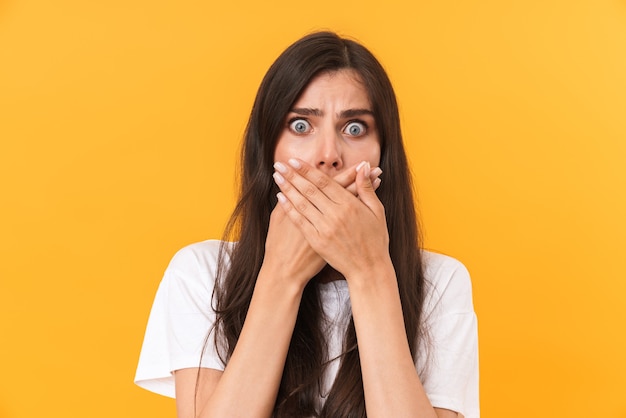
[
  {"x": 180, "y": 320},
  {"x": 448, "y": 361}
]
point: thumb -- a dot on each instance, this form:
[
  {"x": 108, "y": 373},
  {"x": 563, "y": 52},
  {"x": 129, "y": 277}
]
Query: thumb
[{"x": 364, "y": 186}]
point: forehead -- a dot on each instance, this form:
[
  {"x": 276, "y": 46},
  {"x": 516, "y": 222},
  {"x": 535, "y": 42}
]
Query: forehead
[{"x": 343, "y": 88}]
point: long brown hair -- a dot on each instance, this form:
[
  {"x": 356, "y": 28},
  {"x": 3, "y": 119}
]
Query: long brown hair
[{"x": 281, "y": 87}]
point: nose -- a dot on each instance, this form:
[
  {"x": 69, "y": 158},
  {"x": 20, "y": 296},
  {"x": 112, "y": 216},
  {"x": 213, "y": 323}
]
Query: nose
[{"x": 329, "y": 153}]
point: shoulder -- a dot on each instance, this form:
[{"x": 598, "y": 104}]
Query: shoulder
[
  {"x": 192, "y": 271},
  {"x": 181, "y": 316},
  {"x": 447, "y": 281},
  {"x": 438, "y": 266},
  {"x": 189, "y": 281},
  {"x": 200, "y": 256}
]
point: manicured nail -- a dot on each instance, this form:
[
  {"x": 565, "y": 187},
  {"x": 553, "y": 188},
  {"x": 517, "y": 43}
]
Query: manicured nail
[
  {"x": 376, "y": 172},
  {"x": 376, "y": 183},
  {"x": 366, "y": 167},
  {"x": 358, "y": 167},
  {"x": 278, "y": 178},
  {"x": 281, "y": 197},
  {"x": 280, "y": 167},
  {"x": 294, "y": 163}
]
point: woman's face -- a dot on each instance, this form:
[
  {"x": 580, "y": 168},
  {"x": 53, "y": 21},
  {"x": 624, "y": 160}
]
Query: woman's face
[{"x": 331, "y": 126}]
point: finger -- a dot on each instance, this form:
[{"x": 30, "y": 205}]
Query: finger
[
  {"x": 278, "y": 214},
  {"x": 365, "y": 187},
  {"x": 306, "y": 202},
  {"x": 298, "y": 219},
  {"x": 374, "y": 177},
  {"x": 346, "y": 178},
  {"x": 315, "y": 185}
]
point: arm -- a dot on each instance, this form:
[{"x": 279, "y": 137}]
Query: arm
[
  {"x": 249, "y": 384},
  {"x": 250, "y": 381},
  {"x": 351, "y": 235},
  {"x": 392, "y": 388}
]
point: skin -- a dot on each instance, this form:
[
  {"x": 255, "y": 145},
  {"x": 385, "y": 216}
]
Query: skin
[{"x": 328, "y": 215}]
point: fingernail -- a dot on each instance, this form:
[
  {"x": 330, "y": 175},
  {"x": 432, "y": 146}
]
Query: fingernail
[
  {"x": 377, "y": 172},
  {"x": 367, "y": 169},
  {"x": 376, "y": 183},
  {"x": 280, "y": 167},
  {"x": 358, "y": 167},
  {"x": 278, "y": 178},
  {"x": 281, "y": 197},
  {"x": 294, "y": 163}
]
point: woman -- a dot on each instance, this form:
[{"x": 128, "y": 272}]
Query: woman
[{"x": 325, "y": 306}]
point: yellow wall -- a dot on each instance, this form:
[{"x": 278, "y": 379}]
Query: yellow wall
[{"x": 119, "y": 125}]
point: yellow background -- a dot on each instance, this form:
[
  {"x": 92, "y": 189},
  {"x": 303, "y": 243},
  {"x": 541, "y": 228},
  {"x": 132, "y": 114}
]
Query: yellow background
[{"x": 120, "y": 122}]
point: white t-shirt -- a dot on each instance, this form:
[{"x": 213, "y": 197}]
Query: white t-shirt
[{"x": 181, "y": 317}]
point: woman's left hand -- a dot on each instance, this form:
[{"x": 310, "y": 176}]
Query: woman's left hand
[{"x": 349, "y": 232}]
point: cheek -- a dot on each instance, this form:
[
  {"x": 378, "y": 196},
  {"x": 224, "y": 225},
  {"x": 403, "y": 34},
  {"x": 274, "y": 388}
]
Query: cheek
[
  {"x": 281, "y": 151},
  {"x": 287, "y": 148},
  {"x": 370, "y": 150},
  {"x": 375, "y": 157},
  {"x": 372, "y": 154}
]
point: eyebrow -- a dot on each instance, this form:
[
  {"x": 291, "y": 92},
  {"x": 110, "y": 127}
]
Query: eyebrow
[{"x": 344, "y": 114}]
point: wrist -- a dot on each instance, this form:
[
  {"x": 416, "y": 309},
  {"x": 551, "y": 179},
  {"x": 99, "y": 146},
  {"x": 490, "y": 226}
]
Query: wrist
[
  {"x": 276, "y": 278},
  {"x": 373, "y": 275}
]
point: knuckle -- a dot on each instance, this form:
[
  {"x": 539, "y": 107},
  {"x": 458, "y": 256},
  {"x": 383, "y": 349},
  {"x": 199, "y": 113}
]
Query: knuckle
[
  {"x": 351, "y": 211},
  {"x": 289, "y": 175},
  {"x": 326, "y": 233},
  {"x": 288, "y": 209},
  {"x": 309, "y": 190},
  {"x": 301, "y": 207},
  {"x": 322, "y": 181},
  {"x": 304, "y": 170},
  {"x": 285, "y": 186}
]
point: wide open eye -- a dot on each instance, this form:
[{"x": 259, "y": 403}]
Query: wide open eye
[
  {"x": 355, "y": 129},
  {"x": 300, "y": 126}
]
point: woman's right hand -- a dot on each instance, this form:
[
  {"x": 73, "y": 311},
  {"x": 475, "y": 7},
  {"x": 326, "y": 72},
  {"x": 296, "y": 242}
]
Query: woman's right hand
[
  {"x": 288, "y": 255},
  {"x": 251, "y": 380}
]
